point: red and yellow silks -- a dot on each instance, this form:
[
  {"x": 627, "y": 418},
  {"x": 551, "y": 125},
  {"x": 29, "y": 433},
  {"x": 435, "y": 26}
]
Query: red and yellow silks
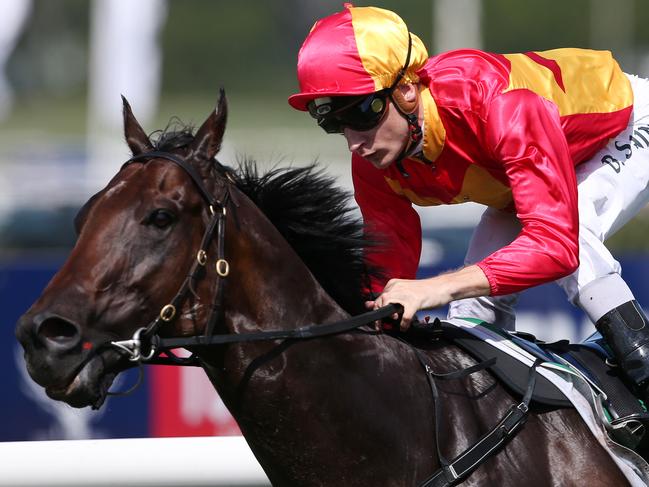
[{"x": 505, "y": 131}]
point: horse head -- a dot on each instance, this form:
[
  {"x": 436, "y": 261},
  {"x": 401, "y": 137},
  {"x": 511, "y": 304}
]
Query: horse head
[
  {"x": 137, "y": 239},
  {"x": 151, "y": 250}
]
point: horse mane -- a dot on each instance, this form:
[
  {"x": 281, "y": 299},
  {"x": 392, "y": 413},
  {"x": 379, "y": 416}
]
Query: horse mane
[
  {"x": 314, "y": 215},
  {"x": 310, "y": 211}
]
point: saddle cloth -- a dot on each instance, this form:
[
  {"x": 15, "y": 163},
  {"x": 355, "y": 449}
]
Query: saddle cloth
[
  {"x": 591, "y": 358},
  {"x": 559, "y": 382}
]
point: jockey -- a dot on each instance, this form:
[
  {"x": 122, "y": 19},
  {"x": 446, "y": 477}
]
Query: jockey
[{"x": 552, "y": 143}]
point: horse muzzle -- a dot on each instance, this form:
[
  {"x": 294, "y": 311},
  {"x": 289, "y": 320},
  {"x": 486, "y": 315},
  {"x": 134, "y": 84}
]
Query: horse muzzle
[
  {"x": 89, "y": 386},
  {"x": 67, "y": 366}
]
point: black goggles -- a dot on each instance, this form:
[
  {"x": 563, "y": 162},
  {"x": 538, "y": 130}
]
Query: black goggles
[{"x": 355, "y": 112}]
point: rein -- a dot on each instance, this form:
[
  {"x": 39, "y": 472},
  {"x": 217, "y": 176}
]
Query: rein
[
  {"x": 165, "y": 345},
  {"x": 146, "y": 345}
]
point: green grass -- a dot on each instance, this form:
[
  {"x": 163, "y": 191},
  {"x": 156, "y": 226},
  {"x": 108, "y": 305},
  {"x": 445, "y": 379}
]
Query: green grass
[
  {"x": 261, "y": 125},
  {"x": 253, "y": 111},
  {"x": 68, "y": 116},
  {"x": 56, "y": 116}
]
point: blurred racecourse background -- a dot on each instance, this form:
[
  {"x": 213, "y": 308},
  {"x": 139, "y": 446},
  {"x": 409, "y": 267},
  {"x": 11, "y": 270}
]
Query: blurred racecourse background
[{"x": 63, "y": 66}]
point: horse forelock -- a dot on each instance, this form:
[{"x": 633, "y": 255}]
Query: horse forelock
[{"x": 175, "y": 136}]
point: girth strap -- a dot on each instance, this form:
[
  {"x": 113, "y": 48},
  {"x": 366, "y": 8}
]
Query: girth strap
[{"x": 455, "y": 472}]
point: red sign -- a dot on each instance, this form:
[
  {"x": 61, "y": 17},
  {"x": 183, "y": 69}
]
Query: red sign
[{"x": 184, "y": 403}]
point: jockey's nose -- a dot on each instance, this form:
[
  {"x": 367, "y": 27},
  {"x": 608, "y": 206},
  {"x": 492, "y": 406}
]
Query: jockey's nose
[
  {"x": 58, "y": 334},
  {"x": 354, "y": 139}
]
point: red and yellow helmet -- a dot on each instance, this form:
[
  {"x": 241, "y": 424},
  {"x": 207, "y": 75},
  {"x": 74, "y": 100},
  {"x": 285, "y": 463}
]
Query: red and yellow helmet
[{"x": 358, "y": 51}]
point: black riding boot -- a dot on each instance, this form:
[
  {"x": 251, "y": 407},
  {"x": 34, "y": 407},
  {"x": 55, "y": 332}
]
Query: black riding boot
[{"x": 626, "y": 330}]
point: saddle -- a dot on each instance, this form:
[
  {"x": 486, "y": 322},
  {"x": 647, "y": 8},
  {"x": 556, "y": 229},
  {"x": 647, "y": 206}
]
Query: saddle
[{"x": 626, "y": 415}]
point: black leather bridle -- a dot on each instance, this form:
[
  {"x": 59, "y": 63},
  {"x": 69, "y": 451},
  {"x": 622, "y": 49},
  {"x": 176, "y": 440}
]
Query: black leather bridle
[{"x": 146, "y": 345}]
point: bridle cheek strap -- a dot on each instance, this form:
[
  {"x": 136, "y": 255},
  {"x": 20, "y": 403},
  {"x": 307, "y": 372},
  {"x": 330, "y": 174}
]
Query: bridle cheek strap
[{"x": 140, "y": 347}]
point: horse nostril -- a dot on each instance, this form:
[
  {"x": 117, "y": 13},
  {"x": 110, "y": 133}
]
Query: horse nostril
[{"x": 57, "y": 333}]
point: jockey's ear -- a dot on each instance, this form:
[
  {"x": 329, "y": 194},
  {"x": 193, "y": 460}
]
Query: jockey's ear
[
  {"x": 136, "y": 138},
  {"x": 406, "y": 96},
  {"x": 208, "y": 138}
]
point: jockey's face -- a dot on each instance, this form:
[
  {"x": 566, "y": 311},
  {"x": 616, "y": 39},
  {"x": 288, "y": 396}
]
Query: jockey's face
[{"x": 383, "y": 144}]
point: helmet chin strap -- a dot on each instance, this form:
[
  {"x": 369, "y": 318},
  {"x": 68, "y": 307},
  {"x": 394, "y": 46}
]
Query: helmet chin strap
[{"x": 408, "y": 110}]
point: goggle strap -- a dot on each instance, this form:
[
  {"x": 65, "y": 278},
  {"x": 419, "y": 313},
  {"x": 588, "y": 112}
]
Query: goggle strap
[
  {"x": 415, "y": 136},
  {"x": 402, "y": 71},
  {"x": 402, "y": 169},
  {"x": 415, "y": 128}
]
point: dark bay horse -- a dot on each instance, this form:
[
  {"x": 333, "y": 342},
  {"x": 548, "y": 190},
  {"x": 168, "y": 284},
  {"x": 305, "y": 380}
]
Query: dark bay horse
[{"x": 352, "y": 409}]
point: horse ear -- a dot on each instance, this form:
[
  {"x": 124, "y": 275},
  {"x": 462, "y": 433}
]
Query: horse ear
[
  {"x": 136, "y": 138},
  {"x": 208, "y": 138}
]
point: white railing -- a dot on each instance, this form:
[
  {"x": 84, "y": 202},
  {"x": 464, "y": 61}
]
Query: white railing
[{"x": 200, "y": 461}]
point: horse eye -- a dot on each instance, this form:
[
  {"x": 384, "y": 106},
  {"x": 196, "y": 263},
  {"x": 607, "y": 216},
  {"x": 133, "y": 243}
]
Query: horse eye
[{"x": 161, "y": 218}]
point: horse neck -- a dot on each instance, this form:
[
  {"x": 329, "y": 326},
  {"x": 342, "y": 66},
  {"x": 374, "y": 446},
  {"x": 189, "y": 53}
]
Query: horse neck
[
  {"x": 268, "y": 288},
  {"x": 271, "y": 287}
]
